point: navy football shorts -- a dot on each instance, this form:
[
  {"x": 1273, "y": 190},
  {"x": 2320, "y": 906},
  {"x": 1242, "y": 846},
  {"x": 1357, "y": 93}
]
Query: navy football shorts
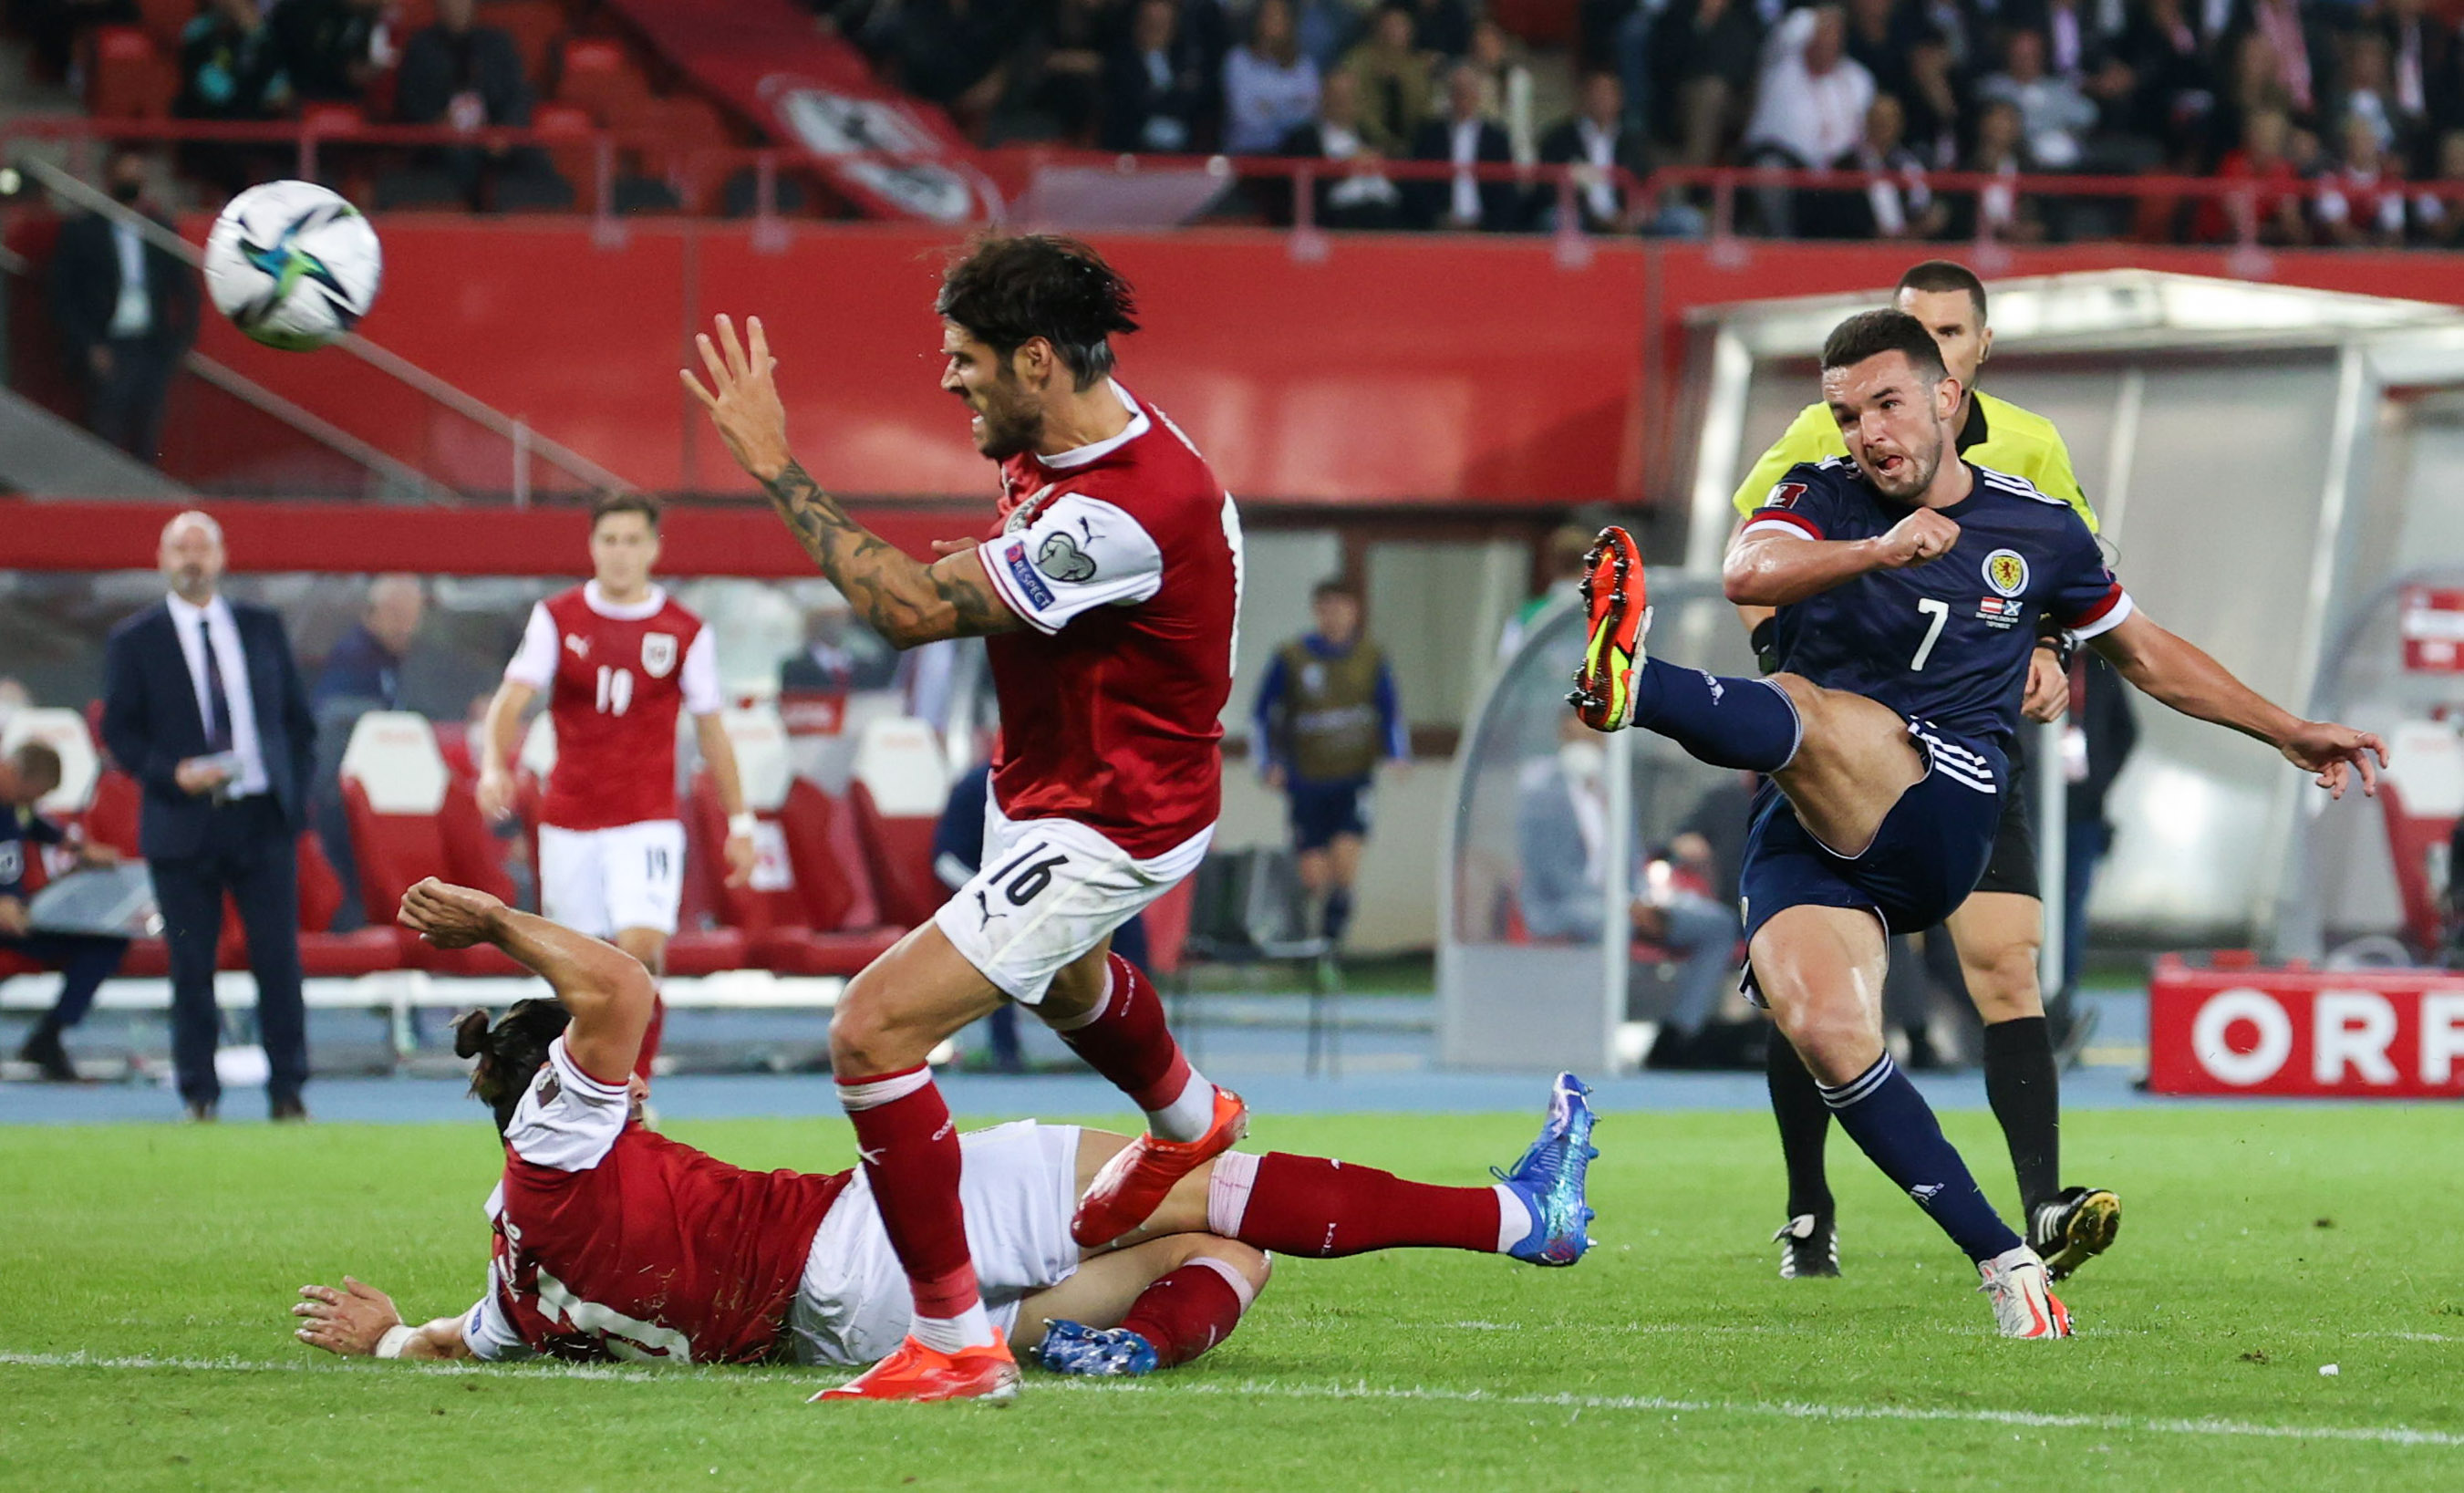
[
  {"x": 1323, "y": 810},
  {"x": 1925, "y": 859}
]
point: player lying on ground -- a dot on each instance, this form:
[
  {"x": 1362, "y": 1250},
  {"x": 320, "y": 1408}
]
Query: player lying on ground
[
  {"x": 1998, "y": 928},
  {"x": 1908, "y": 584},
  {"x": 1108, "y": 594},
  {"x": 614, "y": 1242}
]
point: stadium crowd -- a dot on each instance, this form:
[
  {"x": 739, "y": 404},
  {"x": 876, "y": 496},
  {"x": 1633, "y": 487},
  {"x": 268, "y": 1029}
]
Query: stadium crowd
[{"x": 2331, "y": 108}]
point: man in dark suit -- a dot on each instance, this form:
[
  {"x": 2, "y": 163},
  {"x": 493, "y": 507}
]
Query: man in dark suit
[
  {"x": 1596, "y": 140},
  {"x": 127, "y": 310},
  {"x": 204, "y": 706},
  {"x": 1464, "y": 137},
  {"x": 1356, "y": 195}
]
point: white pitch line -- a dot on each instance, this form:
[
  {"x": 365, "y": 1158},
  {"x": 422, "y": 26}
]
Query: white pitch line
[{"x": 1259, "y": 1389}]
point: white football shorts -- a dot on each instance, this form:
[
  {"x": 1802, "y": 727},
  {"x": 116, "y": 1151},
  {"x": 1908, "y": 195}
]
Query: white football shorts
[
  {"x": 602, "y": 880},
  {"x": 1019, "y": 1185},
  {"x": 1049, "y": 890}
]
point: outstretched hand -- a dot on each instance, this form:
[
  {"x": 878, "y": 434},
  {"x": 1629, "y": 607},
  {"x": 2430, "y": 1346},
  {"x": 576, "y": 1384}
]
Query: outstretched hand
[
  {"x": 448, "y": 916},
  {"x": 2335, "y": 752},
  {"x": 348, "y": 1321},
  {"x": 743, "y": 397}
]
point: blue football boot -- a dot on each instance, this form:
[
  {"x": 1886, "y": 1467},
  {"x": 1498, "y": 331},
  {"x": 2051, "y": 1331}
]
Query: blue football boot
[
  {"x": 1550, "y": 1179},
  {"x": 1104, "y": 1353}
]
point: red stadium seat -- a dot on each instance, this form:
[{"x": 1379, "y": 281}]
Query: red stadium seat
[
  {"x": 900, "y": 784},
  {"x": 126, "y": 79},
  {"x": 599, "y": 76},
  {"x": 807, "y": 910},
  {"x": 111, "y": 818},
  {"x": 533, "y": 24},
  {"x": 692, "y": 136},
  {"x": 399, "y": 799}
]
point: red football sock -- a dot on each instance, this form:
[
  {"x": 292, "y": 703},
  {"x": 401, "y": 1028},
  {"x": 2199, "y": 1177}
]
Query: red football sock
[
  {"x": 1127, "y": 1041},
  {"x": 1323, "y": 1208},
  {"x": 1190, "y": 1310},
  {"x": 911, "y": 1156},
  {"x": 651, "y": 1039}
]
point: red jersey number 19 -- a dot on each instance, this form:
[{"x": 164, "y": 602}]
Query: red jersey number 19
[{"x": 615, "y": 689}]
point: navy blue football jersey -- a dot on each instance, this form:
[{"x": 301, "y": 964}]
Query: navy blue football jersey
[{"x": 1947, "y": 641}]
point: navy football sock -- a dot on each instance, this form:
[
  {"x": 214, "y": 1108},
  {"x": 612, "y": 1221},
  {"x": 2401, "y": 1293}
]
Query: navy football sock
[
  {"x": 1746, "y": 723},
  {"x": 1890, "y": 1121}
]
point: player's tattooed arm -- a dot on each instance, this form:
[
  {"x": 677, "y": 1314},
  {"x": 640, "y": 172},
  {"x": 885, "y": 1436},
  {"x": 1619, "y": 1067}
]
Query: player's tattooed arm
[{"x": 906, "y": 601}]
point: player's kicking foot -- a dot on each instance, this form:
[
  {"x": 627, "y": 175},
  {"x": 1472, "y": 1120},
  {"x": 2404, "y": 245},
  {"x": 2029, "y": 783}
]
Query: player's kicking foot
[
  {"x": 917, "y": 1375},
  {"x": 1550, "y": 1179},
  {"x": 2023, "y": 1305},
  {"x": 1132, "y": 1184},
  {"x": 1809, "y": 1246},
  {"x": 1098, "y": 1353},
  {"x": 2074, "y": 1228},
  {"x": 1617, "y": 616}
]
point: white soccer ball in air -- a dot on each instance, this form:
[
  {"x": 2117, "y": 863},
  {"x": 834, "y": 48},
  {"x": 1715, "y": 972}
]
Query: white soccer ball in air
[{"x": 292, "y": 264}]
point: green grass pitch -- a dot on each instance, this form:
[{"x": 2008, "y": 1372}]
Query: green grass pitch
[{"x": 144, "y": 1274}]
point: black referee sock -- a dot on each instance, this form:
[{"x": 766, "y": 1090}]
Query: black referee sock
[
  {"x": 2023, "y": 1084},
  {"x": 1804, "y": 1126}
]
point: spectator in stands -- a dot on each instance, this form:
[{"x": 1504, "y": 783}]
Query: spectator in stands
[
  {"x": 2292, "y": 61},
  {"x": 2439, "y": 221},
  {"x": 2271, "y": 211},
  {"x": 1694, "y": 66},
  {"x": 1443, "y": 27},
  {"x": 466, "y": 77},
  {"x": 841, "y": 654},
  {"x": 2054, "y": 117},
  {"x": 1327, "y": 714},
  {"x": 126, "y": 311},
  {"x": 84, "y": 960},
  {"x": 53, "y": 26},
  {"x": 1392, "y": 75},
  {"x": 1464, "y": 137},
  {"x": 1595, "y": 140},
  {"x": 231, "y": 67},
  {"x": 2173, "y": 81},
  {"x": 1505, "y": 89},
  {"x": 1935, "y": 105},
  {"x": 2364, "y": 92},
  {"x": 332, "y": 49},
  {"x": 1809, "y": 111},
  {"x": 1880, "y": 35},
  {"x": 1158, "y": 93},
  {"x": 1270, "y": 86},
  {"x": 2079, "y": 41},
  {"x": 1360, "y": 196},
  {"x": 1056, "y": 89},
  {"x": 2361, "y": 204},
  {"x": 1898, "y": 202},
  {"x": 367, "y": 664},
  {"x": 362, "y": 673},
  {"x": 950, "y": 51},
  {"x": 203, "y": 705},
  {"x": 2421, "y": 76},
  {"x": 1998, "y": 211}
]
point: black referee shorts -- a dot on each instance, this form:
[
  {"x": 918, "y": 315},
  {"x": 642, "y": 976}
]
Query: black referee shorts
[{"x": 2012, "y": 865}]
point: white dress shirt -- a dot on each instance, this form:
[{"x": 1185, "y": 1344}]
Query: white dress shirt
[
  {"x": 232, "y": 661},
  {"x": 1464, "y": 149},
  {"x": 132, "y": 313}
]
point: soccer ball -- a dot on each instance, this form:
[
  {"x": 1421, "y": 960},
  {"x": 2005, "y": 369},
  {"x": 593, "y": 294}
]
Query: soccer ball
[{"x": 292, "y": 264}]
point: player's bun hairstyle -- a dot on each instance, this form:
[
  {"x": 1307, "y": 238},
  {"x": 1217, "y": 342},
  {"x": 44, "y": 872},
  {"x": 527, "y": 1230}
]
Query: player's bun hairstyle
[
  {"x": 1008, "y": 289},
  {"x": 1870, "y": 334},
  {"x": 1935, "y": 275},
  {"x": 606, "y": 503},
  {"x": 509, "y": 1053}
]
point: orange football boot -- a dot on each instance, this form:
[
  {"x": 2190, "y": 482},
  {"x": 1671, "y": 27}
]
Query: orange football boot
[
  {"x": 1617, "y": 618},
  {"x": 919, "y": 1375},
  {"x": 1132, "y": 1184}
]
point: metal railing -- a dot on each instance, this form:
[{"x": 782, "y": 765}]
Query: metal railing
[{"x": 526, "y": 445}]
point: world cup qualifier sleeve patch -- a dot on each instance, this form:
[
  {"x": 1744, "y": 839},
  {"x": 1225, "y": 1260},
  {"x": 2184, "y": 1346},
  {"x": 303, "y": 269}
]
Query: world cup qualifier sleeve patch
[{"x": 1078, "y": 554}]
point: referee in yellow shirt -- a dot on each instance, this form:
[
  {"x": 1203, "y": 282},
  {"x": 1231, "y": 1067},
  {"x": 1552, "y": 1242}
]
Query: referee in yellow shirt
[{"x": 1998, "y": 929}]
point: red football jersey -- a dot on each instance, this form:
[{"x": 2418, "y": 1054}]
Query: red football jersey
[
  {"x": 1124, "y": 557},
  {"x": 614, "y": 1242},
  {"x": 615, "y": 677}
]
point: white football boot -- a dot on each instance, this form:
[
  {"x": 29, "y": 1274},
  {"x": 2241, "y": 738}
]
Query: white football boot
[{"x": 2023, "y": 1306}]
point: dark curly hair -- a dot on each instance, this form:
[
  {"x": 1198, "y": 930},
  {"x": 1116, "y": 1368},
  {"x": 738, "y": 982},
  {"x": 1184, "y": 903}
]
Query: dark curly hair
[
  {"x": 1006, "y": 289},
  {"x": 509, "y": 1053},
  {"x": 1870, "y": 334}
]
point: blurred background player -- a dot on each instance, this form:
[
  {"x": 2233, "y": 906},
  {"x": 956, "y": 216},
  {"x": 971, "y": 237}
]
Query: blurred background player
[
  {"x": 618, "y": 658},
  {"x": 1999, "y": 929},
  {"x": 84, "y": 960},
  {"x": 1108, "y": 594},
  {"x": 1327, "y": 714},
  {"x": 715, "y": 1264}
]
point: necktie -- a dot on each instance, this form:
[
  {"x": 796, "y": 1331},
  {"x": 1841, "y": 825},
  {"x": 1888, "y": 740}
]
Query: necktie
[{"x": 218, "y": 729}]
